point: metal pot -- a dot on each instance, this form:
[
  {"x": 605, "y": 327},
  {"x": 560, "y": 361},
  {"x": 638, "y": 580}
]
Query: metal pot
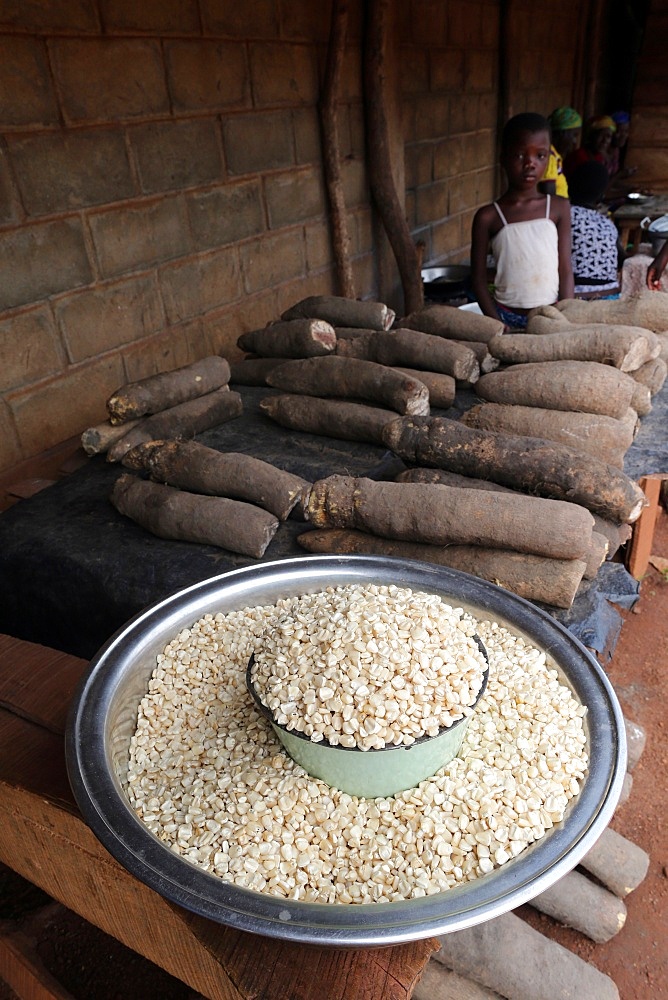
[
  {"x": 103, "y": 720},
  {"x": 446, "y": 282},
  {"x": 655, "y": 232}
]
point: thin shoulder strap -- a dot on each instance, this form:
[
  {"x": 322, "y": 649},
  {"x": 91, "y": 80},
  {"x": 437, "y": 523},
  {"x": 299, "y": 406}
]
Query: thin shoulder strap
[
  {"x": 547, "y": 211},
  {"x": 503, "y": 218}
]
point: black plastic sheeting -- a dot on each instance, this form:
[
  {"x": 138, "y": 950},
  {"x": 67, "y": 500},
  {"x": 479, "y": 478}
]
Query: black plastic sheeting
[{"x": 73, "y": 570}]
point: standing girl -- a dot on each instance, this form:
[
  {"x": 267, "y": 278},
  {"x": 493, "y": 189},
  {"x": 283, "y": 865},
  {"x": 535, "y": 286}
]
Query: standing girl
[{"x": 529, "y": 232}]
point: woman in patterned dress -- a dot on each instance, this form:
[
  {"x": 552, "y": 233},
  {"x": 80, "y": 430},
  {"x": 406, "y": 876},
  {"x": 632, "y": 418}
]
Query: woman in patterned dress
[{"x": 596, "y": 253}]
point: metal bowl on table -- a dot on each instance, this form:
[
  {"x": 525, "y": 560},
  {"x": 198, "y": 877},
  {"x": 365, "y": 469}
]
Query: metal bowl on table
[
  {"x": 104, "y": 716},
  {"x": 447, "y": 282}
]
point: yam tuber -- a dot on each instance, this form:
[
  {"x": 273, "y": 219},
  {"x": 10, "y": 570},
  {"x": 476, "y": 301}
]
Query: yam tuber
[
  {"x": 414, "y": 350},
  {"x": 351, "y": 378},
  {"x": 198, "y": 469},
  {"x": 443, "y": 515},
  {"x": 329, "y": 417},
  {"x": 531, "y": 465},
  {"x": 604, "y": 437},
  {"x": 182, "y": 421},
  {"x": 253, "y": 371},
  {"x": 453, "y": 323},
  {"x": 340, "y": 311},
  {"x": 550, "y": 581},
  {"x": 298, "y": 338},
  {"x": 446, "y": 478},
  {"x": 441, "y": 387},
  {"x": 96, "y": 440},
  {"x": 616, "y": 535},
  {"x": 641, "y": 399},
  {"x": 545, "y": 319},
  {"x": 596, "y": 556},
  {"x": 652, "y": 374},
  {"x": 188, "y": 517},
  {"x": 648, "y": 310},
  {"x": 167, "y": 389},
  {"x": 585, "y": 386},
  {"x": 625, "y": 348}
]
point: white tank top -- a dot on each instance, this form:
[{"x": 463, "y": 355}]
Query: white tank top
[{"x": 527, "y": 262}]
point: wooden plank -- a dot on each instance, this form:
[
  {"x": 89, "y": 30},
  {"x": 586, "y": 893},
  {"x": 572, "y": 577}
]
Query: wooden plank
[
  {"x": 22, "y": 969},
  {"x": 640, "y": 546},
  {"x": 56, "y": 850},
  {"x": 37, "y": 682}
]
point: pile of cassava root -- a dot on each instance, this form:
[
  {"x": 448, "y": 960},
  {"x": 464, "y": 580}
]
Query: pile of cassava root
[
  {"x": 210, "y": 780},
  {"x": 558, "y": 414},
  {"x": 192, "y": 493}
]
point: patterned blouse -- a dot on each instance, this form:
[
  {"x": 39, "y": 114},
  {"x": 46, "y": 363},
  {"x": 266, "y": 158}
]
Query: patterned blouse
[{"x": 593, "y": 250}]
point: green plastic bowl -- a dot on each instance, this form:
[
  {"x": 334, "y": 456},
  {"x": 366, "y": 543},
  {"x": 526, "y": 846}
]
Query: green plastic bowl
[{"x": 372, "y": 774}]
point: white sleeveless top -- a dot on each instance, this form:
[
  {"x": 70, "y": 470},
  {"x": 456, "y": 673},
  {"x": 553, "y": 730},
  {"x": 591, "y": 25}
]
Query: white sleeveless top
[{"x": 527, "y": 262}]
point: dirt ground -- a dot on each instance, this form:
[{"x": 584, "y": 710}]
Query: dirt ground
[{"x": 93, "y": 966}]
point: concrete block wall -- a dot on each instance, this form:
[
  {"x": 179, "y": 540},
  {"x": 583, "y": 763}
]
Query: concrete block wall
[
  {"x": 452, "y": 55},
  {"x": 648, "y": 149},
  {"x": 161, "y": 192}
]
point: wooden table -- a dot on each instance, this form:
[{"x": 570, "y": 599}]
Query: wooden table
[
  {"x": 45, "y": 840},
  {"x": 628, "y": 217}
]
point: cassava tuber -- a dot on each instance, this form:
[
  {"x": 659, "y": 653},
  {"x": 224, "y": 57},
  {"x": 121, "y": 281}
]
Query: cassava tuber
[{"x": 167, "y": 389}]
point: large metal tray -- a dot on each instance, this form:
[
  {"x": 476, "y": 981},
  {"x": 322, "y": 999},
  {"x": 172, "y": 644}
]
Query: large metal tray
[{"x": 103, "y": 720}]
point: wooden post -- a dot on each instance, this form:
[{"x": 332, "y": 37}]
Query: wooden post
[
  {"x": 640, "y": 546},
  {"x": 331, "y": 151}
]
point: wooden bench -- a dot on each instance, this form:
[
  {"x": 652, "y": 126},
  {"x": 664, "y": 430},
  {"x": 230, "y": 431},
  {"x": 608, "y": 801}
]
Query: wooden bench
[{"x": 45, "y": 840}]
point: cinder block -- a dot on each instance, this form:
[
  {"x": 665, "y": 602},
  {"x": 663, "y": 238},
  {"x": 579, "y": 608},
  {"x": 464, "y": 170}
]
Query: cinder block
[
  {"x": 306, "y": 128},
  {"x": 107, "y": 79},
  {"x": 225, "y": 214},
  {"x": 487, "y": 111},
  {"x": 464, "y": 28},
  {"x": 357, "y": 130},
  {"x": 410, "y": 208},
  {"x": 62, "y": 407},
  {"x": 171, "y": 348},
  {"x": 29, "y": 348},
  {"x": 175, "y": 155},
  {"x": 207, "y": 75},
  {"x": 283, "y": 74},
  {"x": 447, "y": 69},
  {"x": 429, "y": 22},
  {"x": 226, "y": 326},
  {"x": 59, "y": 171},
  {"x": 480, "y": 73},
  {"x": 308, "y": 22},
  {"x": 432, "y": 116},
  {"x": 295, "y": 196},
  {"x": 274, "y": 259},
  {"x": 366, "y": 277},
  {"x": 192, "y": 287},
  {"x": 463, "y": 192},
  {"x": 33, "y": 102},
  {"x": 446, "y": 237},
  {"x": 322, "y": 283},
  {"x": 240, "y": 20},
  {"x": 262, "y": 141},
  {"x": 40, "y": 260},
  {"x": 476, "y": 151},
  {"x": 408, "y": 120},
  {"x": 463, "y": 113},
  {"x": 448, "y": 157},
  {"x": 108, "y": 316},
  {"x": 45, "y": 16},
  {"x": 363, "y": 218},
  {"x": 10, "y": 449},
  {"x": 154, "y": 16},
  {"x": 419, "y": 164},
  {"x": 10, "y": 208},
  {"x": 649, "y": 128},
  {"x": 319, "y": 251},
  {"x": 353, "y": 179},
  {"x": 414, "y": 76},
  {"x": 486, "y": 185},
  {"x": 127, "y": 239},
  {"x": 432, "y": 202}
]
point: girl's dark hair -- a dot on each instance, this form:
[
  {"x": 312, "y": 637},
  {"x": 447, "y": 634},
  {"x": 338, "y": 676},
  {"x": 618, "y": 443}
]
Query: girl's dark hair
[
  {"x": 526, "y": 122},
  {"x": 587, "y": 184}
]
